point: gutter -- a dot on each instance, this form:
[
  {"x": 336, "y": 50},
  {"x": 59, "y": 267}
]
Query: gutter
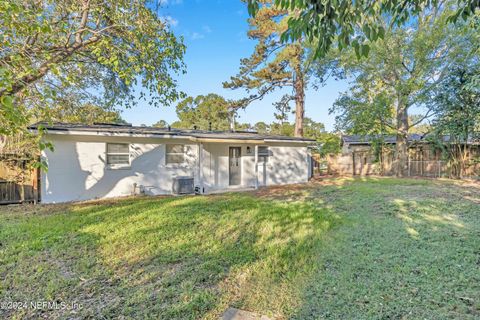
[
  {"x": 111, "y": 134},
  {"x": 68, "y": 132},
  {"x": 291, "y": 141}
]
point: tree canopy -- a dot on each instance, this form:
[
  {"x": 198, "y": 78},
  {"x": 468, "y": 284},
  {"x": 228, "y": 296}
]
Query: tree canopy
[
  {"x": 203, "y": 112},
  {"x": 457, "y": 106},
  {"x": 273, "y": 65},
  {"x": 401, "y": 74},
  {"x": 87, "y": 114},
  {"x": 81, "y": 52},
  {"x": 214, "y": 112},
  {"x": 349, "y": 23}
]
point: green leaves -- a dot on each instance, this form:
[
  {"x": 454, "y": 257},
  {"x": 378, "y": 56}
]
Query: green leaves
[
  {"x": 273, "y": 64},
  {"x": 403, "y": 72},
  {"x": 98, "y": 60},
  {"x": 361, "y": 49},
  {"x": 329, "y": 20},
  {"x": 204, "y": 112}
]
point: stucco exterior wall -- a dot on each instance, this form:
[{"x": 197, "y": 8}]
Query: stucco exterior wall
[
  {"x": 287, "y": 164},
  {"x": 78, "y": 170},
  {"x": 216, "y": 165}
]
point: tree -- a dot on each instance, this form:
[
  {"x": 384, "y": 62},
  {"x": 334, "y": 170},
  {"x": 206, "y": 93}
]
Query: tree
[
  {"x": 262, "y": 127},
  {"x": 457, "y": 106},
  {"x": 204, "y": 112},
  {"x": 161, "y": 124},
  {"x": 330, "y": 143},
  {"x": 400, "y": 74},
  {"x": 282, "y": 129},
  {"x": 87, "y": 114},
  {"x": 359, "y": 112},
  {"x": 353, "y": 23},
  {"x": 86, "y": 51},
  {"x": 313, "y": 129},
  {"x": 273, "y": 64}
]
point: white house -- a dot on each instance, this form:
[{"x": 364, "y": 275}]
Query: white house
[{"x": 105, "y": 160}]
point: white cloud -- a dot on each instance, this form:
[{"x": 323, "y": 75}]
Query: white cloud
[
  {"x": 207, "y": 29},
  {"x": 197, "y": 36},
  {"x": 170, "y": 21}
]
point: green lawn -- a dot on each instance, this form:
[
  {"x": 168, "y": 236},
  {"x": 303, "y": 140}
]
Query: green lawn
[{"x": 338, "y": 249}]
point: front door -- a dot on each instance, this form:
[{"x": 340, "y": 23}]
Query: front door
[{"x": 235, "y": 165}]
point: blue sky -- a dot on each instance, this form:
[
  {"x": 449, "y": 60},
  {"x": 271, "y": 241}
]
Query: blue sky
[{"x": 214, "y": 32}]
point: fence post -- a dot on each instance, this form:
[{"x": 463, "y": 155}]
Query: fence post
[
  {"x": 35, "y": 185},
  {"x": 22, "y": 193},
  {"x": 439, "y": 168},
  {"x": 409, "y": 168}
]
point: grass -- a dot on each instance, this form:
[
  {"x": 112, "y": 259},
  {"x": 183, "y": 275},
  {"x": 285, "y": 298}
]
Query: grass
[{"x": 339, "y": 249}]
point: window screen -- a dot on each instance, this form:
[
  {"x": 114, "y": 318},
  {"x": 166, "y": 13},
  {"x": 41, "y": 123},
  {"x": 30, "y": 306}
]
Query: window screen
[
  {"x": 118, "y": 153},
  {"x": 175, "y": 154}
]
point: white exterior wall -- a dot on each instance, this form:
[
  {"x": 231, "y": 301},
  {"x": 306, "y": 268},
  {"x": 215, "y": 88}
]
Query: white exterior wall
[
  {"x": 286, "y": 165},
  {"x": 216, "y": 165},
  {"x": 77, "y": 168}
]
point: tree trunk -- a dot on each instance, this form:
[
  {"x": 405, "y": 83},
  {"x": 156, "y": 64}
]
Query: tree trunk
[
  {"x": 401, "y": 157},
  {"x": 299, "y": 86},
  {"x": 42, "y": 71},
  {"x": 464, "y": 154}
]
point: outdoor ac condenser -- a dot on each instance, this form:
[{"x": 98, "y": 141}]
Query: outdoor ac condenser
[{"x": 183, "y": 185}]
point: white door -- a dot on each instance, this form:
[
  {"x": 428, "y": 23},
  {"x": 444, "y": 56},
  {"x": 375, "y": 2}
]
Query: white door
[{"x": 235, "y": 166}]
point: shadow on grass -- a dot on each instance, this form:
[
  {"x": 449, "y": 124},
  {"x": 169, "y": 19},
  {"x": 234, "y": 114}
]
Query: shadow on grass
[
  {"x": 162, "y": 258},
  {"x": 401, "y": 248},
  {"x": 410, "y": 251}
]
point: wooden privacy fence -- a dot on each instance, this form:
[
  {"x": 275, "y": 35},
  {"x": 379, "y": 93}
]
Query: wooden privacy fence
[
  {"x": 428, "y": 168},
  {"x": 18, "y": 182}
]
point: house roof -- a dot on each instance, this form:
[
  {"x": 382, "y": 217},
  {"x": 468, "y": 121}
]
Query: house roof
[
  {"x": 392, "y": 139},
  {"x": 106, "y": 128}
]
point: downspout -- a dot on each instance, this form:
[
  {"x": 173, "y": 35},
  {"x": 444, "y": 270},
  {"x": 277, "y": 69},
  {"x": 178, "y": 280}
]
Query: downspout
[
  {"x": 200, "y": 168},
  {"x": 256, "y": 166}
]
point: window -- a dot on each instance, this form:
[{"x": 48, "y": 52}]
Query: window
[
  {"x": 118, "y": 154},
  {"x": 263, "y": 154},
  {"x": 175, "y": 154}
]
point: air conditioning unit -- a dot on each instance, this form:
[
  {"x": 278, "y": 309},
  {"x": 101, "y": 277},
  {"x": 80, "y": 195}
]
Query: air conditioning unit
[{"x": 183, "y": 185}]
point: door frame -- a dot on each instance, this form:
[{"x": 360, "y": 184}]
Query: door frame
[{"x": 240, "y": 165}]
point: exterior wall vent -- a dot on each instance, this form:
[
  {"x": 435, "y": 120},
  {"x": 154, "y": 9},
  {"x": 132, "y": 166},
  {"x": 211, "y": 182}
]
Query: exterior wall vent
[{"x": 183, "y": 185}]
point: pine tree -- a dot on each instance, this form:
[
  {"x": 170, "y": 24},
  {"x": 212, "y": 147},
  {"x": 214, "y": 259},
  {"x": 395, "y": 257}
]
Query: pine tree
[{"x": 273, "y": 64}]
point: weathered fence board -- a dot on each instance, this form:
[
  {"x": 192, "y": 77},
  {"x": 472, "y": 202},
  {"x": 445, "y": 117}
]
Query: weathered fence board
[{"x": 18, "y": 182}]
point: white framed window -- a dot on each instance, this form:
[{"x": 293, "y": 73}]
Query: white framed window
[
  {"x": 118, "y": 155},
  {"x": 175, "y": 154},
  {"x": 263, "y": 154}
]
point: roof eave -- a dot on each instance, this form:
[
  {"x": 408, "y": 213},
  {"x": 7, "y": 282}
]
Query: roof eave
[{"x": 173, "y": 135}]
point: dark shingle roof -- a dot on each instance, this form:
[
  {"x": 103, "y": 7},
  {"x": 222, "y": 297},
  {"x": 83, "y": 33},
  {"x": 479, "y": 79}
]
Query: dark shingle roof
[{"x": 142, "y": 130}]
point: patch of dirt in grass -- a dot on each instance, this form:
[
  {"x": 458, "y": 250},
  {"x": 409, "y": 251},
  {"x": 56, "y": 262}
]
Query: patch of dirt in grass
[
  {"x": 282, "y": 192},
  {"x": 27, "y": 209},
  {"x": 274, "y": 250}
]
